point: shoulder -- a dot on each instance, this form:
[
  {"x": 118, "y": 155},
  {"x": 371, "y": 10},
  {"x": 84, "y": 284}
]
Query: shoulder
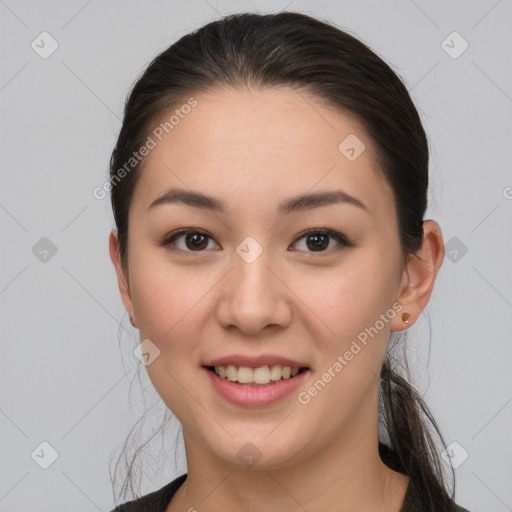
[
  {"x": 413, "y": 503},
  {"x": 156, "y": 501}
]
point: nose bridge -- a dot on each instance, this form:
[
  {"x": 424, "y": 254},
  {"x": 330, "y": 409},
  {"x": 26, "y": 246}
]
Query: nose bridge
[
  {"x": 253, "y": 297},
  {"x": 252, "y": 276}
]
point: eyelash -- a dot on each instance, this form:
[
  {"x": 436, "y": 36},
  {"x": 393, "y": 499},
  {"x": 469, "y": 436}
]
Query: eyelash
[{"x": 340, "y": 238}]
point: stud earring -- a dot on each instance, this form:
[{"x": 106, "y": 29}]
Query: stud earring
[
  {"x": 131, "y": 319},
  {"x": 405, "y": 318}
]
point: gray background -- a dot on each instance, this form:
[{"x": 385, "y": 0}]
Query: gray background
[{"x": 64, "y": 379}]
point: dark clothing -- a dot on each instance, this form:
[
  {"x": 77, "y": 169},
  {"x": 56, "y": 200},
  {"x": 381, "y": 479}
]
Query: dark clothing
[
  {"x": 159, "y": 500},
  {"x": 156, "y": 501}
]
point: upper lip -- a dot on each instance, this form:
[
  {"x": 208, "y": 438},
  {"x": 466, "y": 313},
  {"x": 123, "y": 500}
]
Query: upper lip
[{"x": 255, "y": 362}]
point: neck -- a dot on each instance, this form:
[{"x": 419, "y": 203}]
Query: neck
[{"x": 342, "y": 477}]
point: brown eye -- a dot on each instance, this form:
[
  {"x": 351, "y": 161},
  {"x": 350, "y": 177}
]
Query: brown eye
[
  {"x": 194, "y": 240},
  {"x": 319, "y": 240}
]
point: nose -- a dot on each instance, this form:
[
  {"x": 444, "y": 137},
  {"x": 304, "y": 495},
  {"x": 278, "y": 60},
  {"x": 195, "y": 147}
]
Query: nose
[{"x": 254, "y": 297}]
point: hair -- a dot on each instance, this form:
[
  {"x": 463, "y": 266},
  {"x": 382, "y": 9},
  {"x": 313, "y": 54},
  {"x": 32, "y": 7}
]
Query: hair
[{"x": 289, "y": 49}]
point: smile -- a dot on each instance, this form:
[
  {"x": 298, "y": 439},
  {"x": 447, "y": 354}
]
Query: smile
[
  {"x": 240, "y": 387},
  {"x": 261, "y": 375}
]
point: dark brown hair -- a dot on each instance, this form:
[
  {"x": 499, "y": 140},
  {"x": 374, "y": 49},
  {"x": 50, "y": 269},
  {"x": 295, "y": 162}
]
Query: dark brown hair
[{"x": 289, "y": 49}]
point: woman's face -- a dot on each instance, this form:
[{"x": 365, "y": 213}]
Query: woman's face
[{"x": 248, "y": 283}]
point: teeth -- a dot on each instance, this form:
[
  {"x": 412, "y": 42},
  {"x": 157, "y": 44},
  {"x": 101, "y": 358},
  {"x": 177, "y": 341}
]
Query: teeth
[
  {"x": 231, "y": 372},
  {"x": 275, "y": 372},
  {"x": 245, "y": 375},
  {"x": 260, "y": 375}
]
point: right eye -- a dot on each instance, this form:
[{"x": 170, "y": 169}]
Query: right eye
[{"x": 194, "y": 240}]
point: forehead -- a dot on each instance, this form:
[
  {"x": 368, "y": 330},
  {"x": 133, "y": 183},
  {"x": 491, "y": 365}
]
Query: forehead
[{"x": 261, "y": 143}]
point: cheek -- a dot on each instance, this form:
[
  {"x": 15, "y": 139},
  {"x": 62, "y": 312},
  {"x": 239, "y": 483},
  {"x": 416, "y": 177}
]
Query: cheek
[
  {"x": 354, "y": 304},
  {"x": 347, "y": 376},
  {"x": 163, "y": 294},
  {"x": 159, "y": 301},
  {"x": 351, "y": 297},
  {"x": 169, "y": 312}
]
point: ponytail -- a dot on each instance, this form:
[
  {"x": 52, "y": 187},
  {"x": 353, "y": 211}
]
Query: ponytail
[{"x": 412, "y": 450}]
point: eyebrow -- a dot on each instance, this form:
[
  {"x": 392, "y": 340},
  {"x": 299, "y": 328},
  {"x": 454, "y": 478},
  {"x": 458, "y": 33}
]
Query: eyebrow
[{"x": 298, "y": 203}]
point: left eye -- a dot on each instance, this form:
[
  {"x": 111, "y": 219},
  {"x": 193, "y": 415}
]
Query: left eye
[{"x": 318, "y": 240}]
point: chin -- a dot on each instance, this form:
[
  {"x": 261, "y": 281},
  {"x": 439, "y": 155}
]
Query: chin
[{"x": 261, "y": 452}]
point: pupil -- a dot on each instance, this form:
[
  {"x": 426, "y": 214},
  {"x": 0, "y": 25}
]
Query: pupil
[
  {"x": 318, "y": 241},
  {"x": 197, "y": 240}
]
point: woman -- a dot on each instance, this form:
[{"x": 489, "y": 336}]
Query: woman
[{"x": 268, "y": 186}]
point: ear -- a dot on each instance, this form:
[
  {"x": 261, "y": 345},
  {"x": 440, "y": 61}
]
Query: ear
[
  {"x": 419, "y": 275},
  {"x": 122, "y": 279}
]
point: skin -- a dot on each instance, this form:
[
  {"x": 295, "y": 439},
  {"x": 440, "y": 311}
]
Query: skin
[{"x": 254, "y": 149}]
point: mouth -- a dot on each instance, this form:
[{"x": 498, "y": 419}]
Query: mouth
[
  {"x": 261, "y": 376},
  {"x": 256, "y": 386}
]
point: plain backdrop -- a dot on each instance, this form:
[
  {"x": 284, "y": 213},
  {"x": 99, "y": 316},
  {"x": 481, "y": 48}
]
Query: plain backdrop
[{"x": 65, "y": 378}]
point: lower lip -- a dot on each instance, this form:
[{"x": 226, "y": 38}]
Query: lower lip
[{"x": 241, "y": 394}]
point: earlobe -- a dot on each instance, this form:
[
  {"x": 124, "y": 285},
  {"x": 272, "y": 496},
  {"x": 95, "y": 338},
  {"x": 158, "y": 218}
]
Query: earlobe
[
  {"x": 419, "y": 276},
  {"x": 122, "y": 279}
]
